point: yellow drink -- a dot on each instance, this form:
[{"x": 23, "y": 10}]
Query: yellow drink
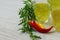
[
  {"x": 56, "y": 19},
  {"x": 42, "y": 11},
  {"x": 55, "y": 6}
]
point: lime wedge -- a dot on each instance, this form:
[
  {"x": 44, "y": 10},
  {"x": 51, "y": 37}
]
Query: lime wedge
[{"x": 42, "y": 11}]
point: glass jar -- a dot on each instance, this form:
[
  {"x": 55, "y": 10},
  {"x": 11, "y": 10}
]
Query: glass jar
[
  {"x": 55, "y": 6},
  {"x": 41, "y": 10}
]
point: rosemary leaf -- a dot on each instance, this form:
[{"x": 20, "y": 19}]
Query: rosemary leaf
[{"x": 27, "y": 13}]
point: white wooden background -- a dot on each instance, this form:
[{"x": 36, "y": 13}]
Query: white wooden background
[{"x": 9, "y": 20}]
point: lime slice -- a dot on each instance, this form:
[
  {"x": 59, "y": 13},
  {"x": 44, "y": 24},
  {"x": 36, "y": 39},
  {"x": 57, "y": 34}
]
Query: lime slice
[
  {"x": 56, "y": 19},
  {"x": 54, "y": 3},
  {"x": 42, "y": 11}
]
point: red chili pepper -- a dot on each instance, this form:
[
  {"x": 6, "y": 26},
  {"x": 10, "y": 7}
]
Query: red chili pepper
[{"x": 39, "y": 27}]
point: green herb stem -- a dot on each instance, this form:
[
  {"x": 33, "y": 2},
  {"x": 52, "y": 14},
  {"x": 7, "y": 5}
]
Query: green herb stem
[{"x": 27, "y": 13}]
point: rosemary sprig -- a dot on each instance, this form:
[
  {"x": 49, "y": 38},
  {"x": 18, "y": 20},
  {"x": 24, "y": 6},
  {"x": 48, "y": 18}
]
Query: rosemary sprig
[{"x": 27, "y": 13}]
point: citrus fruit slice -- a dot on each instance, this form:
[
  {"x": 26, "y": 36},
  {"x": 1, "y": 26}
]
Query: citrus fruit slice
[{"x": 42, "y": 11}]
